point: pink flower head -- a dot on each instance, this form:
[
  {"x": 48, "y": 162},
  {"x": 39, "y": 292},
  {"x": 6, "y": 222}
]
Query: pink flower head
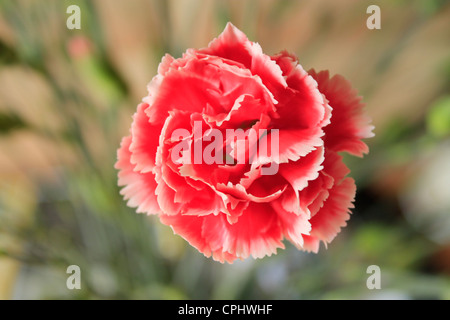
[{"x": 237, "y": 150}]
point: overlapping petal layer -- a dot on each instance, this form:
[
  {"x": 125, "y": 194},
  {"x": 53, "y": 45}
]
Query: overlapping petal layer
[{"x": 277, "y": 175}]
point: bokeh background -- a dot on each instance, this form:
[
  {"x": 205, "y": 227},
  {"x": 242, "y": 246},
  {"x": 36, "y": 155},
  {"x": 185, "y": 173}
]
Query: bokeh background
[{"x": 67, "y": 97}]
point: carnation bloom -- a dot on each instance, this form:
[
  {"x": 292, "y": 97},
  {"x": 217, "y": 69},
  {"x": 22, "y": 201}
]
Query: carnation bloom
[{"x": 231, "y": 210}]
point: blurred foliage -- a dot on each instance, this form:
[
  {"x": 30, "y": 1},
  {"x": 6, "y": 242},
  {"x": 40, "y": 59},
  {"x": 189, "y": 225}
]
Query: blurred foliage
[
  {"x": 67, "y": 97},
  {"x": 438, "y": 118}
]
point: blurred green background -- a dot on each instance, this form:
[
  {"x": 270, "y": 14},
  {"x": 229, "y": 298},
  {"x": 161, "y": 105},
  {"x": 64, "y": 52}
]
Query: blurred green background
[{"x": 67, "y": 97}]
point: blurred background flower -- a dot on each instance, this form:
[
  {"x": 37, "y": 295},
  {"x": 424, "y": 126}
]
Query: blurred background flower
[{"x": 67, "y": 97}]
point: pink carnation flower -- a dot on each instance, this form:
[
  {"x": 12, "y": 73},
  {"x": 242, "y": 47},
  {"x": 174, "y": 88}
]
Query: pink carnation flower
[{"x": 281, "y": 177}]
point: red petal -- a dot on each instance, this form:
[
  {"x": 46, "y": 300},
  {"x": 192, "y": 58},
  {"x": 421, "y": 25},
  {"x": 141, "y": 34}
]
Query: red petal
[
  {"x": 234, "y": 45},
  {"x": 329, "y": 220},
  {"x": 231, "y": 44},
  {"x": 349, "y": 123},
  {"x": 187, "y": 196},
  {"x": 301, "y": 105},
  {"x": 145, "y": 141},
  {"x": 190, "y": 228},
  {"x": 304, "y": 188},
  {"x": 139, "y": 187},
  {"x": 181, "y": 89},
  {"x": 165, "y": 196},
  {"x": 334, "y": 171},
  {"x": 165, "y": 64},
  {"x": 256, "y": 233},
  {"x": 294, "y": 226},
  {"x": 306, "y": 169}
]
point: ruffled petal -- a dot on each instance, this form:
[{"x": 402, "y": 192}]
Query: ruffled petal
[
  {"x": 145, "y": 141},
  {"x": 349, "y": 123},
  {"x": 190, "y": 228},
  {"x": 234, "y": 45},
  {"x": 266, "y": 69},
  {"x": 329, "y": 220},
  {"x": 190, "y": 83},
  {"x": 301, "y": 105},
  {"x": 294, "y": 226},
  {"x": 306, "y": 169},
  {"x": 165, "y": 196},
  {"x": 231, "y": 44},
  {"x": 257, "y": 233},
  {"x": 166, "y": 63},
  {"x": 313, "y": 196},
  {"x": 239, "y": 192},
  {"x": 246, "y": 110},
  {"x": 139, "y": 188},
  {"x": 302, "y": 176},
  {"x": 188, "y": 197},
  {"x": 283, "y": 146}
]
